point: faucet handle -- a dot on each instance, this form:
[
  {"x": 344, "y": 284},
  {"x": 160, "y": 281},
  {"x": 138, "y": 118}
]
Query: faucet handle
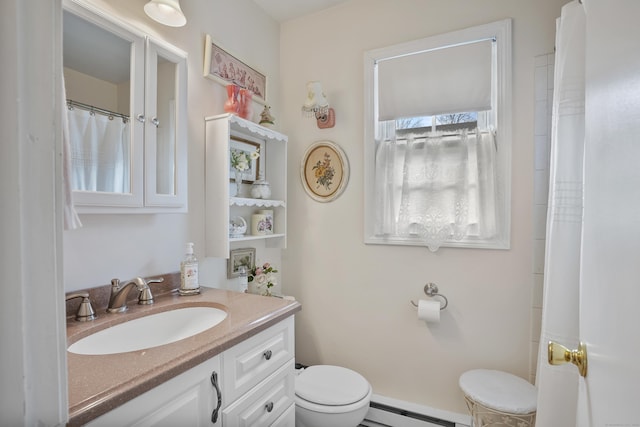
[
  {"x": 146, "y": 297},
  {"x": 85, "y": 311}
]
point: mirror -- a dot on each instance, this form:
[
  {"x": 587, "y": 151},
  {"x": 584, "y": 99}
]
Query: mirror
[
  {"x": 166, "y": 134},
  {"x": 97, "y": 65},
  {"x": 438, "y": 140}
]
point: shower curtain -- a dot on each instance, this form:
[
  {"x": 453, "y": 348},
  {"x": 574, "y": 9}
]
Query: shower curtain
[
  {"x": 100, "y": 159},
  {"x": 558, "y": 385}
]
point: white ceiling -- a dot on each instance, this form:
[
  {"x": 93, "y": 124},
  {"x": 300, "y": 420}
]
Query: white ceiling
[{"x": 283, "y": 10}]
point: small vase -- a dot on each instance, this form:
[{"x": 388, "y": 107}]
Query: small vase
[
  {"x": 238, "y": 178},
  {"x": 254, "y": 288},
  {"x": 260, "y": 189},
  {"x": 231, "y": 104},
  {"x": 245, "y": 109}
]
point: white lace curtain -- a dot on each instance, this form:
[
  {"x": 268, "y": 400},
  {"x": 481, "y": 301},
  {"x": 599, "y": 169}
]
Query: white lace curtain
[{"x": 434, "y": 187}]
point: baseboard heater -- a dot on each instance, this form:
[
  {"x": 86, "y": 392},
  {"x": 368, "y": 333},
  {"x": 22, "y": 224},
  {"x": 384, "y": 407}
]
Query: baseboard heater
[{"x": 391, "y": 413}]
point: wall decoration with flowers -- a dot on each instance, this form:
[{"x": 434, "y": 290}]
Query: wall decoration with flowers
[{"x": 324, "y": 171}]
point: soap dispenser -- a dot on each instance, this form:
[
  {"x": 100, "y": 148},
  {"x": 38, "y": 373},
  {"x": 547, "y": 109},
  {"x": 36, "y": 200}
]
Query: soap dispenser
[{"x": 189, "y": 273}]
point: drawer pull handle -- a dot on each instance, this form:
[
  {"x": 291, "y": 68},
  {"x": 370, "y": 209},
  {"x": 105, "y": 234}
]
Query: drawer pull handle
[
  {"x": 267, "y": 354},
  {"x": 269, "y": 406},
  {"x": 214, "y": 382}
]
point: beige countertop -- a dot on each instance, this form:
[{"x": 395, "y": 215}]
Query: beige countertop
[{"x": 98, "y": 384}]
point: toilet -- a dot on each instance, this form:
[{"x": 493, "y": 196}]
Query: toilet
[{"x": 331, "y": 396}]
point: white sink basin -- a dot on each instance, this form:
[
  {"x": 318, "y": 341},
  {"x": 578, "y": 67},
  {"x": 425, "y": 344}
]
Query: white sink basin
[{"x": 150, "y": 331}]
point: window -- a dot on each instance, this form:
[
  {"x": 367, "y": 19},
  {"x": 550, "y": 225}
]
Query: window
[{"x": 438, "y": 140}]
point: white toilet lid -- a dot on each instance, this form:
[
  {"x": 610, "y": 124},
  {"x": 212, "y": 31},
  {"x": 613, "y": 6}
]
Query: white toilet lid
[{"x": 331, "y": 385}]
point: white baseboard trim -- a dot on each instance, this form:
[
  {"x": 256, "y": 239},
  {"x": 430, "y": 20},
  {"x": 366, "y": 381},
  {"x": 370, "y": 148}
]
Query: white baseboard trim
[{"x": 385, "y": 411}]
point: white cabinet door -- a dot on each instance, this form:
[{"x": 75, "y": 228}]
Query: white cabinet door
[
  {"x": 186, "y": 400},
  {"x": 98, "y": 51},
  {"x": 165, "y": 145}
]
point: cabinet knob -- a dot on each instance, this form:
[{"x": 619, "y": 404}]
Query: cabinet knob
[
  {"x": 140, "y": 118},
  {"x": 269, "y": 406},
  {"x": 267, "y": 354},
  {"x": 155, "y": 121}
]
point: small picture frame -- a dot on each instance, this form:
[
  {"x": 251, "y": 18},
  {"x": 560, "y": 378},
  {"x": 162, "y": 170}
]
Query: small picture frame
[
  {"x": 324, "y": 171},
  {"x": 239, "y": 257},
  {"x": 239, "y": 145},
  {"x": 224, "y": 68}
]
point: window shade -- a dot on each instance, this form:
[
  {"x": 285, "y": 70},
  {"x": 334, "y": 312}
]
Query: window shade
[{"x": 449, "y": 80}]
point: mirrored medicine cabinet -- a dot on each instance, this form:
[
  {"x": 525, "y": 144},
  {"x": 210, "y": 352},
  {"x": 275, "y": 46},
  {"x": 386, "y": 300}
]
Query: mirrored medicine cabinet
[
  {"x": 438, "y": 140},
  {"x": 126, "y": 109}
]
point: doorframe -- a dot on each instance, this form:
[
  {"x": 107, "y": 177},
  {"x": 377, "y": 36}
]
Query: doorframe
[{"x": 32, "y": 308}]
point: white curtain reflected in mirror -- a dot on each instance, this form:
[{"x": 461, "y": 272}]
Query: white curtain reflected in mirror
[
  {"x": 97, "y": 66},
  {"x": 100, "y": 152}
]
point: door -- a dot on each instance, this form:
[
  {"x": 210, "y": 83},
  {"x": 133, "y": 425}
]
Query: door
[{"x": 610, "y": 267}]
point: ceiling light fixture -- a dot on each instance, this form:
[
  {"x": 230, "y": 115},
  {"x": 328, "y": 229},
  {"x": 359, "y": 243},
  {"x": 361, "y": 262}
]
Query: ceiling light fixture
[{"x": 166, "y": 12}]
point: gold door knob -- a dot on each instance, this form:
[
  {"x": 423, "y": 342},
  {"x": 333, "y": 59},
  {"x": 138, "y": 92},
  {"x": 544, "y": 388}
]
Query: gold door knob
[{"x": 559, "y": 354}]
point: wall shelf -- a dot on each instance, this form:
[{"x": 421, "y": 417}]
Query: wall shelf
[
  {"x": 219, "y": 205},
  {"x": 250, "y": 237},
  {"x": 262, "y": 203}
]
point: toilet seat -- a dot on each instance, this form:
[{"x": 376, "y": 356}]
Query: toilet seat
[{"x": 332, "y": 389}]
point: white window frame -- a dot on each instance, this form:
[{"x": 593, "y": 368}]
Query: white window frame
[{"x": 501, "y": 31}]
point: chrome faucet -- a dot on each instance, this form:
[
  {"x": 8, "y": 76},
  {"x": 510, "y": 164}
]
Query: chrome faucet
[
  {"x": 85, "y": 311},
  {"x": 118, "y": 299}
]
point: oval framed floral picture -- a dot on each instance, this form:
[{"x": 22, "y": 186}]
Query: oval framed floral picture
[{"x": 324, "y": 171}]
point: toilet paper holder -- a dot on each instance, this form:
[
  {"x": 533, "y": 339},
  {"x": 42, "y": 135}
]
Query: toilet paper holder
[{"x": 431, "y": 289}]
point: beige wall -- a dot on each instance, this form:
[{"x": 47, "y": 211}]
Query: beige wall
[
  {"x": 125, "y": 246},
  {"x": 90, "y": 90},
  {"x": 356, "y": 309}
]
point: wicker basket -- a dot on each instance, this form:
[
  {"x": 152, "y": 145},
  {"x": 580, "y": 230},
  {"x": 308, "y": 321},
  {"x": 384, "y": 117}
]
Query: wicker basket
[{"x": 488, "y": 417}]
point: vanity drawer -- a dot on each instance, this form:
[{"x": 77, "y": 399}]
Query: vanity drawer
[
  {"x": 254, "y": 359},
  {"x": 287, "y": 419},
  {"x": 265, "y": 404}
]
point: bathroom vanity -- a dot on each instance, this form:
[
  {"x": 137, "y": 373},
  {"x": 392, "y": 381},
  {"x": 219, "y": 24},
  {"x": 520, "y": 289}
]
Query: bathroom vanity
[{"x": 239, "y": 372}]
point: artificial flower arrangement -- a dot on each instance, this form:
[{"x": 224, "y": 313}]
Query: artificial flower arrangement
[
  {"x": 262, "y": 278},
  {"x": 241, "y": 160}
]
